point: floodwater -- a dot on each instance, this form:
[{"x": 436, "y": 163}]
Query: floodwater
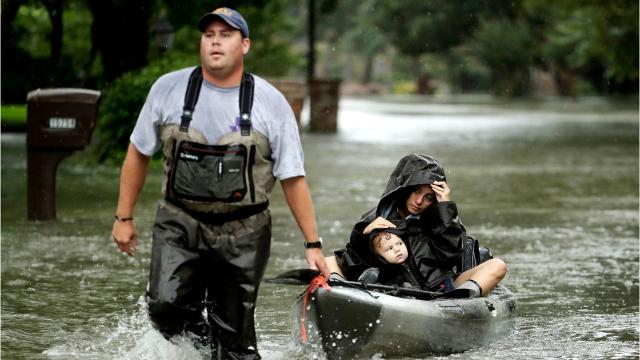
[{"x": 551, "y": 188}]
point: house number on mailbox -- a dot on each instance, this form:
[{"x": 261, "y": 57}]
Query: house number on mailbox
[{"x": 62, "y": 123}]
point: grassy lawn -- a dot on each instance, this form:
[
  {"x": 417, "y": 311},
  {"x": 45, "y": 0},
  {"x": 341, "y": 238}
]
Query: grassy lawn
[{"x": 13, "y": 116}]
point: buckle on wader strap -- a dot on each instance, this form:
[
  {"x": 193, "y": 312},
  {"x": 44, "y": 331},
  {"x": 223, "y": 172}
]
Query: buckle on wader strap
[{"x": 245, "y": 100}]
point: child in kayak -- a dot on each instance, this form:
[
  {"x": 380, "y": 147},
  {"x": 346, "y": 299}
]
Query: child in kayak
[
  {"x": 390, "y": 255},
  {"x": 394, "y": 266}
]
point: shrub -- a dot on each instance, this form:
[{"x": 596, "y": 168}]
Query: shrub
[
  {"x": 121, "y": 103},
  {"x": 506, "y": 48}
]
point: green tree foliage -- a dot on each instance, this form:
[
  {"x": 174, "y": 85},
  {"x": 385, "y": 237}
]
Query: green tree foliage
[
  {"x": 420, "y": 27},
  {"x": 91, "y": 42},
  {"x": 366, "y": 37},
  {"x": 507, "y": 48},
  {"x": 25, "y": 49},
  {"x": 120, "y": 34},
  {"x": 271, "y": 24},
  {"x": 121, "y": 103},
  {"x": 592, "y": 40},
  {"x": 598, "y": 39},
  {"x": 272, "y": 34},
  {"x": 59, "y": 43},
  {"x": 352, "y": 26}
]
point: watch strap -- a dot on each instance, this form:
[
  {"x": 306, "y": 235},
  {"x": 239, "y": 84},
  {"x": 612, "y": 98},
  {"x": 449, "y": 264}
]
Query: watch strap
[{"x": 313, "y": 244}]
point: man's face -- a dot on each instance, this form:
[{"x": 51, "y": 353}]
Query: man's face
[
  {"x": 391, "y": 248},
  {"x": 222, "y": 48},
  {"x": 420, "y": 199}
]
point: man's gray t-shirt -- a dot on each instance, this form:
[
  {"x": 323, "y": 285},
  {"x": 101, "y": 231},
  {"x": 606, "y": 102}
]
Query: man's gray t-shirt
[{"x": 217, "y": 113}]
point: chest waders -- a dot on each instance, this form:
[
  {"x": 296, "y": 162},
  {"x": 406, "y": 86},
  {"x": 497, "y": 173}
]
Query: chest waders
[{"x": 212, "y": 233}]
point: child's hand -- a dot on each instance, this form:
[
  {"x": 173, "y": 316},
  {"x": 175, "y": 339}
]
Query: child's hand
[
  {"x": 443, "y": 193},
  {"x": 378, "y": 223}
]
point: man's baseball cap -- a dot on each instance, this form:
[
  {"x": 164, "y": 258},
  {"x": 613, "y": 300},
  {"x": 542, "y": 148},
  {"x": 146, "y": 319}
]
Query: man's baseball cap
[{"x": 230, "y": 16}]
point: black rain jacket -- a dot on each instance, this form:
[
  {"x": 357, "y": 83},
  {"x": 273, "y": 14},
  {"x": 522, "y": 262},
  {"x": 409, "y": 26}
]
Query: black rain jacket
[{"x": 435, "y": 238}]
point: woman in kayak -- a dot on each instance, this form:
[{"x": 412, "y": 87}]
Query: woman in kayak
[{"x": 417, "y": 194}]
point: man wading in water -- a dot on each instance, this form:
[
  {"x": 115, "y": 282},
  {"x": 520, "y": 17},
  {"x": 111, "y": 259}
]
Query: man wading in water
[{"x": 212, "y": 230}]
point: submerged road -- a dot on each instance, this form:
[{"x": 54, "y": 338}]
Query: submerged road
[{"x": 551, "y": 188}]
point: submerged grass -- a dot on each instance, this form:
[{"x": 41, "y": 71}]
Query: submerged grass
[{"x": 13, "y": 117}]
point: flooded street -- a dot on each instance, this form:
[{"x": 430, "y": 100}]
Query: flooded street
[{"x": 551, "y": 188}]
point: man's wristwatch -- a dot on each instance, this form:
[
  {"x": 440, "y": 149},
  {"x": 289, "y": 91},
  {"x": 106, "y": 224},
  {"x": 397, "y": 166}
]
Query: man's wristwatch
[{"x": 313, "y": 244}]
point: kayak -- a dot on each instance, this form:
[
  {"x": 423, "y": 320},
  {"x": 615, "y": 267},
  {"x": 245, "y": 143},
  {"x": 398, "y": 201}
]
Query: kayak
[{"x": 350, "y": 322}]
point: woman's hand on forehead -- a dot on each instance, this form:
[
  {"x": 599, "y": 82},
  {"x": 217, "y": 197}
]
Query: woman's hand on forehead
[{"x": 442, "y": 190}]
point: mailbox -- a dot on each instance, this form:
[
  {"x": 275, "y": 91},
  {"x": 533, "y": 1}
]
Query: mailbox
[{"x": 59, "y": 122}]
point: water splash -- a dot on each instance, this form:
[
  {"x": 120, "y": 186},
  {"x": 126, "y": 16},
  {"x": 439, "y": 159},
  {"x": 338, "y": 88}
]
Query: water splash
[{"x": 133, "y": 338}]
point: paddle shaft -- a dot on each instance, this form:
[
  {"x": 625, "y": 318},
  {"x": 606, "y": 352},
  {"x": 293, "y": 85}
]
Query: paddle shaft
[
  {"x": 304, "y": 277},
  {"x": 386, "y": 288}
]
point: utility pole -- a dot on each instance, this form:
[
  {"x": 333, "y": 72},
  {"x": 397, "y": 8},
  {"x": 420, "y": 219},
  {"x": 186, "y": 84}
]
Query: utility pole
[
  {"x": 311, "y": 29},
  {"x": 324, "y": 94}
]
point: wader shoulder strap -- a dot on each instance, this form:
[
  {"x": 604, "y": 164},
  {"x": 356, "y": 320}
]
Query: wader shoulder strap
[
  {"x": 193, "y": 91},
  {"x": 191, "y": 98},
  {"x": 246, "y": 102}
]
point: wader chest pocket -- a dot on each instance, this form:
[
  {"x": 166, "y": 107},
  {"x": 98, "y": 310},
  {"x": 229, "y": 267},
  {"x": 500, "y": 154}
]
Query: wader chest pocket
[{"x": 209, "y": 172}]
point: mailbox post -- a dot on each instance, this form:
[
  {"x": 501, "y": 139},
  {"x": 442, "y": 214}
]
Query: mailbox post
[{"x": 59, "y": 122}]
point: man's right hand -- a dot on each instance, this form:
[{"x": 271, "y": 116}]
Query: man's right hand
[
  {"x": 134, "y": 172},
  {"x": 125, "y": 236}
]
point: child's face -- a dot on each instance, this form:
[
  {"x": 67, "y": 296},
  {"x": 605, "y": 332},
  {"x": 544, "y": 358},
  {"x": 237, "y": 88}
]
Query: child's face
[
  {"x": 391, "y": 248},
  {"x": 420, "y": 199}
]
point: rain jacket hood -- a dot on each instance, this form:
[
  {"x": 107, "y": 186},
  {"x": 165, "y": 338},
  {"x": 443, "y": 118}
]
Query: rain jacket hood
[{"x": 411, "y": 170}]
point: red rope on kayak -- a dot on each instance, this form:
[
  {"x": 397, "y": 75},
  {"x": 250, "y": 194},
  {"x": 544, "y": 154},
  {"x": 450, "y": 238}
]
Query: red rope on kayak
[{"x": 318, "y": 281}]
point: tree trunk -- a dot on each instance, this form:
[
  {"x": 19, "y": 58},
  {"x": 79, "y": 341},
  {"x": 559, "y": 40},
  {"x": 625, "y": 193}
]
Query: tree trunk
[
  {"x": 9, "y": 11},
  {"x": 423, "y": 80},
  {"x": 566, "y": 81},
  {"x": 311, "y": 29},
  {"x": 368, "y": 69},
  {"x": 423, "y": 85},
  {"x": 54, "y": 8},
  {"x": 121, "y": 34}
]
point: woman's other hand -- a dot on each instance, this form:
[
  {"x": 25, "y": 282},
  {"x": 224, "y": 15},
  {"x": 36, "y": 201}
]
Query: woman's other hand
[{"x": 378, "y": 223}]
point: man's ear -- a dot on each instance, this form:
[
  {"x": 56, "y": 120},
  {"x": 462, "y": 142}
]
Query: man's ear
[{"x": 246, "y": 45}]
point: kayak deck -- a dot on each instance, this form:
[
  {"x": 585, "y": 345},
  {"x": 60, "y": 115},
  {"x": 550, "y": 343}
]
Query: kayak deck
[{"x": 348, "y": 322}]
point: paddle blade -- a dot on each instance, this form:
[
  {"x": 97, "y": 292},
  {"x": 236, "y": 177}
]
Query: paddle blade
[{"x": 294, "y": 277}]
